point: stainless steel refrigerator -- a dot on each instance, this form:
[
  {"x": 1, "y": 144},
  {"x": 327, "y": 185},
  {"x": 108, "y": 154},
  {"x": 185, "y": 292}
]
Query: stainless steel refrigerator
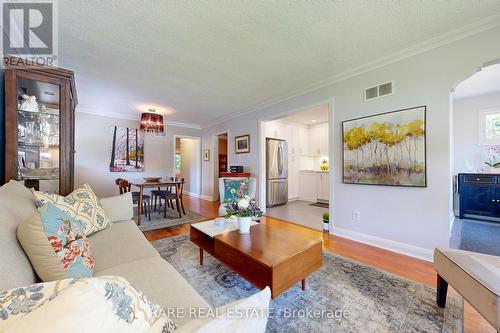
[{"x": 276, "y": 172}]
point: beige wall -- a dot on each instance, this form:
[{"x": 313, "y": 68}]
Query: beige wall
[{"x": 93, "y": 143}]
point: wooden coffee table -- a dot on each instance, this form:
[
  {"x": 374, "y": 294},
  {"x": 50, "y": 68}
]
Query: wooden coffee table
[{"x": 267, "y": 256}]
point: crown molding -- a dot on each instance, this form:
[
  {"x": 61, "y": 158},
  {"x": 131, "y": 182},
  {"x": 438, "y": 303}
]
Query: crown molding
[
  {"x": 134, "y": 118},
  {"x": 463, "y": 32},
  {"x": 80, "y": 109},
  {"x": 185, "y": 125}
]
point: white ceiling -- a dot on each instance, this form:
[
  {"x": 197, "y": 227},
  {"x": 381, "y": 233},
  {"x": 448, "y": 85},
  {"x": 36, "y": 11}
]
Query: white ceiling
[
  {"x": 310, "y": 117},
  {"x": 201, "y": 60},
  {"x": 483, "y": 82}
]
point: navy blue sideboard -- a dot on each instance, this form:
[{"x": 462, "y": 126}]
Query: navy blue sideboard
[{"x": 479, "y": 196}]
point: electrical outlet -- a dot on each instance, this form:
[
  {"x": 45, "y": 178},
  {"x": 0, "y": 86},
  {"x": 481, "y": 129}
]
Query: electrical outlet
[{"x": 356, "y": 215}]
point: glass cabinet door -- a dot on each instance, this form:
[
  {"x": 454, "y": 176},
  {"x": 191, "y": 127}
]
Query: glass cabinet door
[{"x": 38, "y": 134}]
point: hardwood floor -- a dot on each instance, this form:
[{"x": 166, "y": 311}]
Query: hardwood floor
[{"x": 414, "y": 269}]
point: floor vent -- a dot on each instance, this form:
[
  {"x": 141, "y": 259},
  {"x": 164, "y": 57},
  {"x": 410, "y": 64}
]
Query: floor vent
[{"x": 381, "y": 90}]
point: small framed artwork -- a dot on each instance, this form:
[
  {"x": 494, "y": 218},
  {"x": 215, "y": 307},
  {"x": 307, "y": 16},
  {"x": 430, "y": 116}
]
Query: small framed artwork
[
  {"x": 386, "y": 149},
  {"x": 206, "y": 155},
  {"x": 242, "y": 144}
]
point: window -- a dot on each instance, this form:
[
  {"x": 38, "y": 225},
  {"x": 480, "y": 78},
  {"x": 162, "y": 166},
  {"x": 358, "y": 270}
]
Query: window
[
  {"x": 177, "y": 163},
  {"x": 489, "y": 127}
]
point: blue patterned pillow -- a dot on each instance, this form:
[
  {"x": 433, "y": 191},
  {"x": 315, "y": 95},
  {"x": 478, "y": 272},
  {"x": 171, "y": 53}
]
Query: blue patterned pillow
[{"x": 56, "y": 245}]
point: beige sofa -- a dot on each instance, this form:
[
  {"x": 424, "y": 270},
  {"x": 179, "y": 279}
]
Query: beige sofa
[{"x": 119, "y": 250}]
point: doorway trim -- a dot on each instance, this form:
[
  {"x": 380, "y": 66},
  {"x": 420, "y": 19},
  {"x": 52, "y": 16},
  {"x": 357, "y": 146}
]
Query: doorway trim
[
  {"x": 198, "y": 162},
  {"x": 452, "y": 185},
  {"x": 262, "y": 151},
  {"x": 215, "y": 161}
]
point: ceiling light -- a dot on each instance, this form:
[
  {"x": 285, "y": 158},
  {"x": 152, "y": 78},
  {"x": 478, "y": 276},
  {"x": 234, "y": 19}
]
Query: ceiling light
[
  {"x": 314, "y": 120},
  {"x": 152, "y": 122}
]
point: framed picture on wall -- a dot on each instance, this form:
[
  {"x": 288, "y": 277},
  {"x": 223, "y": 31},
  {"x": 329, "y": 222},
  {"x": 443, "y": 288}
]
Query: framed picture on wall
[
  {"x": 127, "y": 150},
  {"x": 242, "y": 144},
  {"x": 206, "y": 155},
  {"x": 386, "y": 149}
]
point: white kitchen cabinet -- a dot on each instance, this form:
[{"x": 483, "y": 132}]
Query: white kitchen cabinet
[
  {"x": 308, "y": 189},
  {"x": 324, "y": 140},
  {"x": 293, "y": 177},
  {"x": 314, "y": 186},
  {"x": 318, "y": 140},
  {"x": 323, "y": 184}
]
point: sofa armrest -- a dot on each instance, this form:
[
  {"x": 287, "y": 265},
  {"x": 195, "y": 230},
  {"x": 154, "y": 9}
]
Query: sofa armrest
[{"x": 118, "y": 208}]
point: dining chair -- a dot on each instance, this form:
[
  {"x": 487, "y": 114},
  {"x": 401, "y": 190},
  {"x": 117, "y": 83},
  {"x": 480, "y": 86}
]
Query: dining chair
[
  {"x": 125, "y": 187},
  {"x": 160, "y": 194},
  {"x": 177, "y": 196},
  {"x": 117, "y": 182}
]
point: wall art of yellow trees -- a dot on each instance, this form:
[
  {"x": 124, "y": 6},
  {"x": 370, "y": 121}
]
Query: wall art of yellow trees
[{"x": 386, "y": 149}]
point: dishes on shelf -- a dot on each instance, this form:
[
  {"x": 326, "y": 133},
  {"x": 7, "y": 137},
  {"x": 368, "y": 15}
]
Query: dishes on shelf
[{"x": 40, "y": 173}]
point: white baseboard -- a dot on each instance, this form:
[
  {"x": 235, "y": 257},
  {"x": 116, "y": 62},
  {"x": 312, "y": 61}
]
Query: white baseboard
[
  {"x": 206, "y": 197},
  {"x": 293, "y": 199},
  {"x": 194, "y": 195},
  {"x": 387, "y": 244}
]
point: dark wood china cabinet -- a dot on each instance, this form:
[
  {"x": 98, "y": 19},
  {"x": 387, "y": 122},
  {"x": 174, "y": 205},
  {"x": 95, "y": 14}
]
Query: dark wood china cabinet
[{"x": 39, "y": 127}]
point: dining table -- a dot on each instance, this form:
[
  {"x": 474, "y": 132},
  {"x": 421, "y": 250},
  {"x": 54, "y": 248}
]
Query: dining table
[{"x": 163, "y": 182}]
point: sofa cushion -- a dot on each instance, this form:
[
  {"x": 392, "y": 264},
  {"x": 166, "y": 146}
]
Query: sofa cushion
[
  {"x": 56, "y": 245},
  {"x": 475, "y": 276},
  {"x": 119, "y": 208},
  {"x": 106, "y": 304},
  {"x": 120, "y": 243},
  {"x": 229, "y": 320},
  {"x": 16, "y": 204},
  {"x": 82, "y": 204},
  {"x": 162, "y": 284}
]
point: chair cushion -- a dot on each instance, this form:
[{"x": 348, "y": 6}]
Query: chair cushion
[
  {"x": 55, "y": 243},
  {"x": 158, "y": 280},
  {"x": 82, "y": 204},
  {"x": 475, "y": 276},
  {"x": 120, "y": 243},
  {"x": 235, "y": 189},
  {"x": 16, "y": 204},
  {"x": 105, "y": 304}
]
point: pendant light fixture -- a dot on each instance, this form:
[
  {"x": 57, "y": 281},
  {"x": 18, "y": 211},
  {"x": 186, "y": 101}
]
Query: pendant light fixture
[{"x": 152, "y": 122}]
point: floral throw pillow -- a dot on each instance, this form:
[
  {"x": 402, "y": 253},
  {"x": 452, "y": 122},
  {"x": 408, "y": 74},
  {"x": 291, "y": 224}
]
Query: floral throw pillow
[
  {"x": 235, "y": 189},
  {"x": 82, "y": 204},
  {"x": 56, "y": 245},
  {"x": 103, "y": 304}
]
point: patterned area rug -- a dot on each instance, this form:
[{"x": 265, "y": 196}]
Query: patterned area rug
[
  {"x": 158, "y": 222},
  {"x": 349, "y": 296}
]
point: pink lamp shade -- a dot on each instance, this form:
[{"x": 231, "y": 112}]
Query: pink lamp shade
[{"x": 152, "y": 122}]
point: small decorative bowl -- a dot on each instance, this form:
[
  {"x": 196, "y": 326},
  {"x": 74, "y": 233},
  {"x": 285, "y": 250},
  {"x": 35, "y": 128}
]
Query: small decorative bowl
[{"x": 152, "y": 179}]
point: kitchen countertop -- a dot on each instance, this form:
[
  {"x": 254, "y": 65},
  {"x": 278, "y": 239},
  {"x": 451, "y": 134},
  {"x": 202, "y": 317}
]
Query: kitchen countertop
[{"x": 315, "y": 171}]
